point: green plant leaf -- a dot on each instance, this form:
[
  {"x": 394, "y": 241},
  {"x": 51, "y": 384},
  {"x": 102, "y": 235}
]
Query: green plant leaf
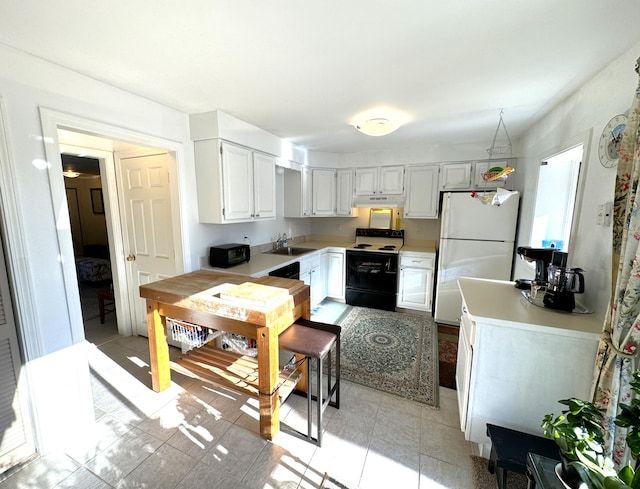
[
  {"x": 626, "y": 474},
  {"x": 614, "y": 483}
]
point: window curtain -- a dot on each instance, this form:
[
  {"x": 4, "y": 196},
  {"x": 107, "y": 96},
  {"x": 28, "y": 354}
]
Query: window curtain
[{"x": 619, "y": 340}]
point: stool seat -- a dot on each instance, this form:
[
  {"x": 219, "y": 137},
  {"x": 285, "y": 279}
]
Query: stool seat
[
  {"x": 313, "y": 340},
  {"x": 307, "y": 341}
]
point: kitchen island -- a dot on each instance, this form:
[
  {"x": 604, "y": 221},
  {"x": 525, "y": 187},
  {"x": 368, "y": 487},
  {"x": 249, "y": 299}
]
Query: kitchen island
[
  {"x": 516, "y": 360},
  {"x": 198, "y": 298}
]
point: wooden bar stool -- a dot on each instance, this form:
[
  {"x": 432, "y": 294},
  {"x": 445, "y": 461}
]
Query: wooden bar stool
[
  {"x": 106, "y": 303},
  {"x": 315, "y": 340}
]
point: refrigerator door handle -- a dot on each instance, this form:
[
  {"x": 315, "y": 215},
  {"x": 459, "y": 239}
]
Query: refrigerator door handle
[{"x": 444, "y": 225}]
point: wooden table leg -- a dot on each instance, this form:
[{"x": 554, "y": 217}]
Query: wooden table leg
[
  {"x": 268, "y": 359},
  {"x": 158, "y": 348}
]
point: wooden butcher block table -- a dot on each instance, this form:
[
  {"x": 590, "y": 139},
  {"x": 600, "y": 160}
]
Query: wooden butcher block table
[{"x": 199, "y": 298}]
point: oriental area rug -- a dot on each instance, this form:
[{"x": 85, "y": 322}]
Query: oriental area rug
[{"x": 390, "y": 351}]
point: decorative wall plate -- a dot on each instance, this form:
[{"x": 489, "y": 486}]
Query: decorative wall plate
[{"x": 610, "y": 140}]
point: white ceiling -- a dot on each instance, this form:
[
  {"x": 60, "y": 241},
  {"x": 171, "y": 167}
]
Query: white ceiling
[{"x": 304, "y": 69}]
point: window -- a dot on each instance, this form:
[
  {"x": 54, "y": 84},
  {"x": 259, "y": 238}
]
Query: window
[{"x": 556, "y": 199}]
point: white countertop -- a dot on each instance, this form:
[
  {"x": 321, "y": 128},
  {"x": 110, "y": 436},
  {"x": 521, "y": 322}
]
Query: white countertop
[
  {"x": 501, "y": 302},
  {"x": 419, "y": 247},
  {"x": 263, "y": 263}
]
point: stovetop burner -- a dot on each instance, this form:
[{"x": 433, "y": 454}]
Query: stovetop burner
[{"x": 381, "y": 240}]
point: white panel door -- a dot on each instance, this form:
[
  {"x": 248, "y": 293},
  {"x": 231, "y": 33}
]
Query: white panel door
[
  {"x": 237, "y": 178},
  {"x": 366, "y": 181},
  {"x": 464, "y": 217},
  {"x": 422, "y": 192},
  {"x": 147, "y": 205},
  {"x": 16, "y": 437},
  {"x": 415, "y": 288},
  {"x": 391, "y": 180},
  {"x": 344, "y": 192},
  {"x": 463, "y": 258},
  {"x": 324, "y": 192},
  {"x": 264, "y": 178}
]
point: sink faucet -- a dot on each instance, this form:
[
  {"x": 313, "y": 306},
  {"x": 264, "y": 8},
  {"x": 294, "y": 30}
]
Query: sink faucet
[{"x": 281, "y": 241}]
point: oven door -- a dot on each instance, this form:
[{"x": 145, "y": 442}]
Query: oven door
[{"x": 368, "y": 270}]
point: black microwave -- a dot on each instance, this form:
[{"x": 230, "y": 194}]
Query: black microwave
[{"x": 229, "y": 255}]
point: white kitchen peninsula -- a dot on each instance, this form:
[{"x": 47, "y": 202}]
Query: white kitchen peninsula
[{"x": 516, "y": 360}]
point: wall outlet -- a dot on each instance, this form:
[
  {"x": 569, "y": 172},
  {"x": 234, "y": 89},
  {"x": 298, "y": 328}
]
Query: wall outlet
[{"x": 605, "y": 214}]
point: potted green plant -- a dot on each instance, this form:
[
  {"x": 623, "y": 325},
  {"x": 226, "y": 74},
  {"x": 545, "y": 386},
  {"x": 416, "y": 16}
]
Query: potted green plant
[{"x": 579, "y": 431}]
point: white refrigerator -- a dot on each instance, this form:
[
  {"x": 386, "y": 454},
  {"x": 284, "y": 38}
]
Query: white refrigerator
[{"x": 476, "y": 240}]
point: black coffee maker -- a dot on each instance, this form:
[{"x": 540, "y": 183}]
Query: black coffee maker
[
  {"x": 562, "y": 282},
  {"x": 542, "y": 257}
]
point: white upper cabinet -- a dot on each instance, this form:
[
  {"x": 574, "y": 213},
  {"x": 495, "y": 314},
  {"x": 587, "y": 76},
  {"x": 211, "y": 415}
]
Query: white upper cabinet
[
  {"x": 264, "y": 186},
  {"x": 384, "y": 180},
  {"x": 455, "y": 176},
  {"x": 391, "y": 180},
  {"x": 319, "y": 192},
  {"x": 344, "y": 193},
  {"x": 422, "y": 192},
  {"x": 366, "y": 181},
  {"x": 234, "y": 183},
  {"x": 324, "y": 192},
  {"x": 297, "y": 193}
]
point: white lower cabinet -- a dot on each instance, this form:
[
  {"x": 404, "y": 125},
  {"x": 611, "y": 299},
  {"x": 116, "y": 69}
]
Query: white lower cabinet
[
  {"x": 512, "y": 374},
  {"x": 415, "y": 284},
  {"x": 311, "y": 274},
  {"x": 333, "y": 263}
]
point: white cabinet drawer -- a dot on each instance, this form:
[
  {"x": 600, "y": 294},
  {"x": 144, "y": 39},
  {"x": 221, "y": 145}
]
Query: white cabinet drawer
[{"x": 421, "y": 260}]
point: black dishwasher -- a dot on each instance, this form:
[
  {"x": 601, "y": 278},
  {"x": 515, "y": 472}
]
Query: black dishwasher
[{"x": 288, "y": 271}]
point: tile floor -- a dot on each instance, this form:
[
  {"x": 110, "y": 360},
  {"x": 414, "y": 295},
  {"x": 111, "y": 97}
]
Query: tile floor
[{"x": 195, "y": 436}]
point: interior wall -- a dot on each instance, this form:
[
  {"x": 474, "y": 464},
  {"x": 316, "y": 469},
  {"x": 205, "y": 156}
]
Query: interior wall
[
  {"x": 93, "y": 225},
  {"x": 55, "y": 357},
  {"x": 586, "y": 111}
]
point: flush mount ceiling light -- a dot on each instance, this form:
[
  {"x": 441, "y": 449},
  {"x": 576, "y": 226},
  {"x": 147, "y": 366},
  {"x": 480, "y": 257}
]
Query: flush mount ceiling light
[
  {"x": 378, "y": 126},
  {"x": 71, "y": 174}
]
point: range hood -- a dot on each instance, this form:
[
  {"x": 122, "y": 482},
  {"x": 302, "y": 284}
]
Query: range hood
[{"x": 379, "y": 201}]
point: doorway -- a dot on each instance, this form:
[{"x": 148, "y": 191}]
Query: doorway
[
  {"x": 110, "y": 146},
  {"x": 83, "y": 186}
]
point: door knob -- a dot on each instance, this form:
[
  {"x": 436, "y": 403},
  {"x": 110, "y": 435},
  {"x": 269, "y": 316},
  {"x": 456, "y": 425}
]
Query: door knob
[{"x": 131, "y": 258}]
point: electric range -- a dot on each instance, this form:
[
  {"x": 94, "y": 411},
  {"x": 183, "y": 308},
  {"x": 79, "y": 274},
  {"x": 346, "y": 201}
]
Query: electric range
[{"x": 372, "y": 268}]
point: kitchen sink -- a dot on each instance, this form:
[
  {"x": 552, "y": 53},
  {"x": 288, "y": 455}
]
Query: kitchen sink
[{"x": 290, "y": 251}]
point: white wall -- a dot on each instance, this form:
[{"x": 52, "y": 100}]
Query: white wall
[
  {"x": 586, "y": 111},
  {"x": 55, "y": 355}
]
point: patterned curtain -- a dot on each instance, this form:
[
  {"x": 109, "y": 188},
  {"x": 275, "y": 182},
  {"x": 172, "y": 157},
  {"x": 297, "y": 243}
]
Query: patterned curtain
[{"x": 621, "y": 331}]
